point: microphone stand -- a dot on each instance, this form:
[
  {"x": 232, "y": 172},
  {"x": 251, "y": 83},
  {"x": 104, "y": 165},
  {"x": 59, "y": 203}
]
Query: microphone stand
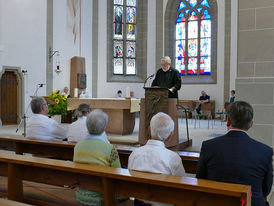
[
  {"x": 182, "y": 107},
  {"x": 24, "y": 118},
  {"x": 149, "y": 77}
]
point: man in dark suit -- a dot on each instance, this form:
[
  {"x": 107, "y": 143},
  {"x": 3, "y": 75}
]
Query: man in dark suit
[
  {"x": 237, "y": 158},
  {"x": 168, "y": 77}
]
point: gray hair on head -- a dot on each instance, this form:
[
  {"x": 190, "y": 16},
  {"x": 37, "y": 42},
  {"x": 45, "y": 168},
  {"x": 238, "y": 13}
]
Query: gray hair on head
[
  {"x": 161, "y": 126},
  {"x": 166, "y": 59},
  {"x": 83, "y": 109},
  {"x": 97, "y": 121},
  {"x": 36, "y": 104}
]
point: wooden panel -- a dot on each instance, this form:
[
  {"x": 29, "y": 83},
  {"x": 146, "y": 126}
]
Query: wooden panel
[
  {"x": 156, "y": 100},
  {"x": 9, "y": 94},
  {"x": 61, "y": 178},
  {"x": 15, "y": 182},
  {"x": 77, "y": 66},
  {"x": 143, "y": 126},
  {"x": 96, "y": 103},
  {"x": 108, "y": 192},
  {"x": 175, "y": 196},
  {"x": 121, "y": 121},
  {"x": 173, "y": 113},
  {"x": 11, "y": 203}
]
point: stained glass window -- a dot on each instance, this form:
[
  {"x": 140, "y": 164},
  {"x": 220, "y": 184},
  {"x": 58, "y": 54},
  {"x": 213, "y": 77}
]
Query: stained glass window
[
  {"x": 124, "y": 37},
  {"x": 193, "y": 37}
]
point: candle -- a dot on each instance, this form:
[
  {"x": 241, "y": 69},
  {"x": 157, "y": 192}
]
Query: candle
[
  {"x": 75, "y": 92},
  {"x": 128, "y": 92}
]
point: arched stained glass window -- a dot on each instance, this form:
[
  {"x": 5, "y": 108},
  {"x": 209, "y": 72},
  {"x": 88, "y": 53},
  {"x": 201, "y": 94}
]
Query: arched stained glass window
[
  {"x": 124, "y": 37},
  {"x": 193, "y": 39}
]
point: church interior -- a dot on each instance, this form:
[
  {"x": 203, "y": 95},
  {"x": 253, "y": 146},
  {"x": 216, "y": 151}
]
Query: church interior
[{"x": 97, "y": 48}]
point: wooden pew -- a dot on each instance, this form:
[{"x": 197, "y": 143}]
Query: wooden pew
[
  {"x": 5, "y": 202},
  {"x": 64, "y": 150},
  {"x": 183, "y": 191}
]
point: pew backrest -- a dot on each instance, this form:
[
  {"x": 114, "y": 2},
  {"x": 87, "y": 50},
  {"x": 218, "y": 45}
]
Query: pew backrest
[
  {"x": 64, "y": 150},
  {"x": 111, "y": 181}
]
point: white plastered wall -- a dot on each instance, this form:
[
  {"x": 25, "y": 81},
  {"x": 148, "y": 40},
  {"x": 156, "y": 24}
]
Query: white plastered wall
[
  {"x": 63, "y": 42},
  {"x": 23, "y": 36}
]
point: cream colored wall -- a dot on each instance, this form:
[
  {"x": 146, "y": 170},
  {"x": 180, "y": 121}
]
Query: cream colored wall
[{"x": 255, "y": 75}]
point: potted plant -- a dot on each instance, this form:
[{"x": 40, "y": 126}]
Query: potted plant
[{"x": 60, "y": 104}]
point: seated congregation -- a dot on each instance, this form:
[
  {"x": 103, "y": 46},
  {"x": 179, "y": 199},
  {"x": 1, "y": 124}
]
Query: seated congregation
[{"x": 231, "y": 158}]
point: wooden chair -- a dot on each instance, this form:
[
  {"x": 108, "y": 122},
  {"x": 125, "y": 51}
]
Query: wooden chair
[
  {"x": 191, "y": 107},
  {"x": 205, "y": 113},
  {"x": 222, "y": 114},
  {"x": 219, "y": 114}
]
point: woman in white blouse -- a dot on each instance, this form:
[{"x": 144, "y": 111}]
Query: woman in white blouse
[{"x": 78, "y": 130}]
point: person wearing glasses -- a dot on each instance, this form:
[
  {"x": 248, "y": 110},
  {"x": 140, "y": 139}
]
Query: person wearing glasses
[
  {"x": 168, "y": 77},
  {"x": 40, "y": 126}
]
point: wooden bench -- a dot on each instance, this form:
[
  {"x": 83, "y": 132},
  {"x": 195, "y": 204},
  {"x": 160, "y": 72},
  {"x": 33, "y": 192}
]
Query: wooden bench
[
  {"x": 110, "y": 181},
  {"x": 5, "y": 202},
  {"x": 64, "y": 150}
]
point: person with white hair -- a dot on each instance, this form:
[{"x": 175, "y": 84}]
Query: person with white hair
[
  {"x": 65, "y": 92},
  {"x": 154, "y": 157},
  {"x": 168, "y": 77},
  {"x": 40, "y": 126},
  {"x": 95, "y": 150}
]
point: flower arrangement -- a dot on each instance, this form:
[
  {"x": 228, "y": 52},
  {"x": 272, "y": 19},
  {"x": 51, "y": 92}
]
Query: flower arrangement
[{"x": 60, "y": 106}]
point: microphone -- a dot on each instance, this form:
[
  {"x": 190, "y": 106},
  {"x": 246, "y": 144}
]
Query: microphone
[
  {"x": 41, "y": 85},
  {"x": 149, "y": 77}
]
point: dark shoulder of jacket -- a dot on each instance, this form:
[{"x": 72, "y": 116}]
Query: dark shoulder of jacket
[
  {"x": 174, "y": 70},
  {"x": 159, "y": 70},
  {"x": 259, "y": 145},
  {"x": 214, "y": 141}
]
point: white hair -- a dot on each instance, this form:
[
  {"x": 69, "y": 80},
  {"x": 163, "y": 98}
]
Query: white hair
[
  {"x": 166, "y": 59},
  {"x": 161, "y": 126},
  {"x": 97, "y": 121}
]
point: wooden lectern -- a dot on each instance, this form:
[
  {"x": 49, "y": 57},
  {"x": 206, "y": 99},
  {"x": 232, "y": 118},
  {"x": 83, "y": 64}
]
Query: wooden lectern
[{"x": 156, "y": 100}]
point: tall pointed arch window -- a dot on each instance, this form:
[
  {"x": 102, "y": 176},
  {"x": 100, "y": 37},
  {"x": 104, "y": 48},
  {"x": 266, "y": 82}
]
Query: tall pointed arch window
[
  {"x": 193, "y": 41},
  {"x": 124, "y": 37}
]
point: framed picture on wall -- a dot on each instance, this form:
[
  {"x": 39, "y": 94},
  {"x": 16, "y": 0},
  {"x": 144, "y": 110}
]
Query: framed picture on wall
[{"x": 82, "y": 81}]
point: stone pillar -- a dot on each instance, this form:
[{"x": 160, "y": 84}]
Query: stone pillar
[{"x": 255, "y": 73}]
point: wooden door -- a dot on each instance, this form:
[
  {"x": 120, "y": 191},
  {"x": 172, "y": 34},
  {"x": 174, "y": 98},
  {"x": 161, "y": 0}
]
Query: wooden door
[{"x": 9, "y": 98}]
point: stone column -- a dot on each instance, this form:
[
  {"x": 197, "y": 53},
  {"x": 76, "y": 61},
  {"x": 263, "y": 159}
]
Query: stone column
[{"x": 255, "y": 74}]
